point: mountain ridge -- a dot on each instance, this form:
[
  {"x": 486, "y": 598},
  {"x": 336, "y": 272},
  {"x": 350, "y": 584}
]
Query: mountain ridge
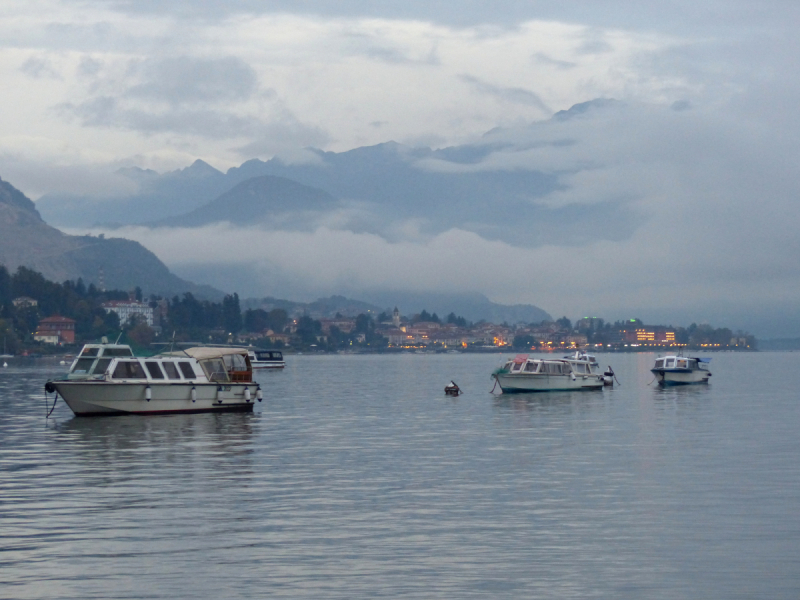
[{"x": 26, "y": 240}]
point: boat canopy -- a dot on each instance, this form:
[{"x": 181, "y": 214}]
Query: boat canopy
[{"x": 203, "y": 352}]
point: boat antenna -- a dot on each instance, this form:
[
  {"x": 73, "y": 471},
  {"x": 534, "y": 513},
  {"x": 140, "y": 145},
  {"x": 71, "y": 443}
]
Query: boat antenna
[
  {"x": 118, "y": 337},
  {"x": 172, "y": 341}
]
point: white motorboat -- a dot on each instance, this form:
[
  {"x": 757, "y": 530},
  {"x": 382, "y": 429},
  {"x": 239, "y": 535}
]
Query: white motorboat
[
  {"x": 525, "y": 374},
  {"x": 582, "y": 355},
  {"x": 681, "y": 370},
  {"x": 266, "y": 359},
  {"x": 107, "y": 379}
]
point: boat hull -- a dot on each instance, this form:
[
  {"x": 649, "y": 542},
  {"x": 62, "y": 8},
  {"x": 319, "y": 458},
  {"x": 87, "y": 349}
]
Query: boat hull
[
  {"x": 92, "y": 398},
  {"x": 669, "y": 377},
  {"x": 512, "y": 383}
]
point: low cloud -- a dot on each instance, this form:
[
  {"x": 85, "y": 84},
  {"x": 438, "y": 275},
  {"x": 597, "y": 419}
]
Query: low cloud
[
  {"x": 187, "y": 80},
  {"x": 40, "y": 67},
  {"x": 606, "y": 278},
  {"x": 513, "y": 95}
]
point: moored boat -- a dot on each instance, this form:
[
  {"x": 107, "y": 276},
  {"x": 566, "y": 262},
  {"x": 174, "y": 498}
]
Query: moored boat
[
  {"x": 525, "y": 374},
  {"x": 266, "y": 359},
  {"x": 681, "y": 370},
  {"x": 107, "y": 379}
]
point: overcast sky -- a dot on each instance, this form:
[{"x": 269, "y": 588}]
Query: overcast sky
[{"x": 705, "y": 150}]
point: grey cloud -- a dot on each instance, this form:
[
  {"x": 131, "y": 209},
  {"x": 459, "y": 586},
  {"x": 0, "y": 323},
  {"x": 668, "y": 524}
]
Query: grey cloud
[
  {"x": 39, "y": 68},
  {"x": 594, "y": 43},
  {"x": 108, "y": 112},
  {"x": 184, "y": 80},
  {"x": 507, "y": 94},
  {"x": 190, "y": 96},
  {"x": 285, "y": 134},
  {"x": 377, "y": 48},
  {"x": 543, "y": 59},
  {"x": 36, "y": 177},
  {"x": 676, "y": 16},
  {"x": 89, "y": 67}
]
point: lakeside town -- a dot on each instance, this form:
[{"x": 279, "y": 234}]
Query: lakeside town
[{"x": 51, "y": 318}]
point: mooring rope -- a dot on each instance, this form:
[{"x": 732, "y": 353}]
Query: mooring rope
[{"x": 47, "y": 403}]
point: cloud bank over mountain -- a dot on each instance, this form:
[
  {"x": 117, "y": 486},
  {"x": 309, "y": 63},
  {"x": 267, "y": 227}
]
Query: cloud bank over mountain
[{"x": 675, "y": 201}]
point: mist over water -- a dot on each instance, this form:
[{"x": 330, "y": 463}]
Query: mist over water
[{"x": 357, "y": 478}]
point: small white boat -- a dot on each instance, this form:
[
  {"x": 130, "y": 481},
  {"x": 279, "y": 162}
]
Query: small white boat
[
  {"x": 525, "y": 374},
  {"x": 681, "y": 370},
  {"x": 266, "y": 359},
  {"x": 582, "y": 355},
  {"x": 107, "y": 379}
]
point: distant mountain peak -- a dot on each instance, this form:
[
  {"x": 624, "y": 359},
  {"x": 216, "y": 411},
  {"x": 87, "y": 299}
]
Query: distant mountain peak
[
  {"x": 11, "y": 196},
  {"x": 199, "y": 168}
]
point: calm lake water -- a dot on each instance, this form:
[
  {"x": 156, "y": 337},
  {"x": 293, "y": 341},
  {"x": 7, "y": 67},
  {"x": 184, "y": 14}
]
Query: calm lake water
[{"x": 358, "y": 478}]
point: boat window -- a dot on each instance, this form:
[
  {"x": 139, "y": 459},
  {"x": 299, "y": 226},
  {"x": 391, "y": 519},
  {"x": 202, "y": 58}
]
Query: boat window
[
  {"x": 90, "y": 351},
  {"x": 83, "y": 365},
  {"x": 117, "y": 352},
  {"x": 187, "y": 370},
  {"x": 277, "y": 356},
  {"x": 129, "y": 369},
  {"x": 507, "y": 366},
  {"x": 682, "y": 364},
  {"x": 579, "y": 368},
  {"x": 530, "y": 367},
  {"x": 215, "y": 370},
  {"x": 154, "y": 369},
  {"x": 670, "y": 362},
  {"x": 101, "y": 366},
  {"x": 692, "y": 363},
  {"x": 516, "y": 367},
  {"x": 171, "y": 370},
  {"x": 659, "y": 363}
]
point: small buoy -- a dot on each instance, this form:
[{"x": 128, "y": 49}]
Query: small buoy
[
  {"x": 194, "y": 394},
  {"x": 148, "y": 393},
  {"x": 63, "y": 362},
  {"x": 5, "y": 364},
  {"x": 259, "y": 395},
  {"x": 247, "y": 394}
]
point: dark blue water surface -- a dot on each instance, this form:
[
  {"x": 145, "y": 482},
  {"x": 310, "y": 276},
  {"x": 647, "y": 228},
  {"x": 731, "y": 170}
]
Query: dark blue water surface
[{"x": 358, "y": 478}]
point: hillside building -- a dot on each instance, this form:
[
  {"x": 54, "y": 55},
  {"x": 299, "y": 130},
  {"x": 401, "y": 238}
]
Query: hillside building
[{"x": 55, "y": 330}]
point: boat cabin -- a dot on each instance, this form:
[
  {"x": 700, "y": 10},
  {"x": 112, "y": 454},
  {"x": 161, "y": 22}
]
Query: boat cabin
[
  {"x": 539, "y": 366},
  {"x": 94, "y": 359},
  {"x": 117, "y": 362},
  {"x": 682, "y": 363}
]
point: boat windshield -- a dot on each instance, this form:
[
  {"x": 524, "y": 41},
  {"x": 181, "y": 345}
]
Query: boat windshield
[
  {"x": 659, "y": 363},
  {"x": 121, "y": 351},
  {"x": 101, "y": 366},
  {"x": 530, "y": 367},
  {"x": 215, "y": 370},
  {"x": 82, "y": 366},
  {"x": 90, "y": 351}
]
